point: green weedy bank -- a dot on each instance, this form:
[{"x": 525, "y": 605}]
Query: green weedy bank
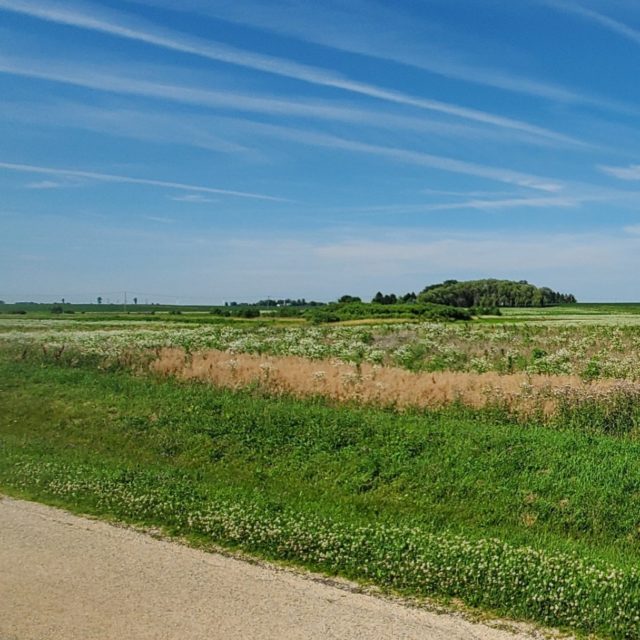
[{"x": 528, "y": 522}]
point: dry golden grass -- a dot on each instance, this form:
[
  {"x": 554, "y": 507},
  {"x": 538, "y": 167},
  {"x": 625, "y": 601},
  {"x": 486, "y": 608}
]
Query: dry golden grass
[{"x": 371, "y": 384}]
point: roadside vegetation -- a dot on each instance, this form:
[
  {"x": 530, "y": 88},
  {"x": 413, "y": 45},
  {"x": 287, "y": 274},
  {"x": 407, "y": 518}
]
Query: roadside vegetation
[{"x": 513, "y": 487}]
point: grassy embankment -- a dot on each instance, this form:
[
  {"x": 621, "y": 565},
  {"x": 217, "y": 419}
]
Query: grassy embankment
[{"x": 537, "y": 523}]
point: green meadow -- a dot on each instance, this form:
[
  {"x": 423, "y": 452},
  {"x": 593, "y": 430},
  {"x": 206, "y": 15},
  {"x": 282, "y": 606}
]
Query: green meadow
[{"x": 536, "y": 520}]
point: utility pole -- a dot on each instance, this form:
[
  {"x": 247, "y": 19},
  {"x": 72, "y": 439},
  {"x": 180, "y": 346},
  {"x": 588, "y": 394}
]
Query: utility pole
[{"x": 125, "y": 301}]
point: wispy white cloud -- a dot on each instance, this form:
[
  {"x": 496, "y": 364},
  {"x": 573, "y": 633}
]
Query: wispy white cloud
[
  {"x": 193, "y": 197},
  {"x": 467, "y": 194},
  {"x": 45, "y": 184},
  {"x": 332, "y": 25},
  {"x": 515, "y": 203},
  {"x": 632, "y": 172},
  {"x": 485, "y": 252},
  {"x": 78, "y": 115},
  {"x": 409, "y": 156},
  {"x": 478, "y": 204},
  {"x": 611, "y": 24},
  {"x": 571, "y": 262},
  {"x": 106, "y": 177},
  {"x": 161, "y": 219},
  {"x": 95, "y": 19},
  {"x": 146, "y": 125},
  {"x": 196, "y": 131},
  {"x": 507, "y": 203}
]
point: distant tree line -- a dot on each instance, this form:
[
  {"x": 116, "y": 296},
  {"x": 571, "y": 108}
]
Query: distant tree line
[
  {"x": 448, "y": 300},
  {"x": 392, "y": 298},
  {"x": 339, "y": 311},
  {"x": 493, "y": 293},
  {"x": 282, "y": 302}
]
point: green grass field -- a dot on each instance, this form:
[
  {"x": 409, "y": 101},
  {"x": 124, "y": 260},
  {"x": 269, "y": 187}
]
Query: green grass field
[
  {"x": 533, "y": 516},
  {"x": 532, "y": 522}
]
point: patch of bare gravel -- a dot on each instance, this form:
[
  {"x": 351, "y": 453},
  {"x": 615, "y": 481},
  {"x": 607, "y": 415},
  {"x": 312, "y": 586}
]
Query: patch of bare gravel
[{"x": 64, "y": 577}]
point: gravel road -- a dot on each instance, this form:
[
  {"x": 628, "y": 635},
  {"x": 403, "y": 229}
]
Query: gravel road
[{"x": 64, "y": 577}]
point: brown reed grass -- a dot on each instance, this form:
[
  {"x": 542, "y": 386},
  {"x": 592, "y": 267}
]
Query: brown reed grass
[{"x": 518, "y": 393}]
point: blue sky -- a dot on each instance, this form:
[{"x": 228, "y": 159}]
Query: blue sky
[{"x": 214, "y": 150}]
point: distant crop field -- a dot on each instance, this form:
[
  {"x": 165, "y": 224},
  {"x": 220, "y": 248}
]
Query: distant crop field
[{"x": 491, "y": 462}]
